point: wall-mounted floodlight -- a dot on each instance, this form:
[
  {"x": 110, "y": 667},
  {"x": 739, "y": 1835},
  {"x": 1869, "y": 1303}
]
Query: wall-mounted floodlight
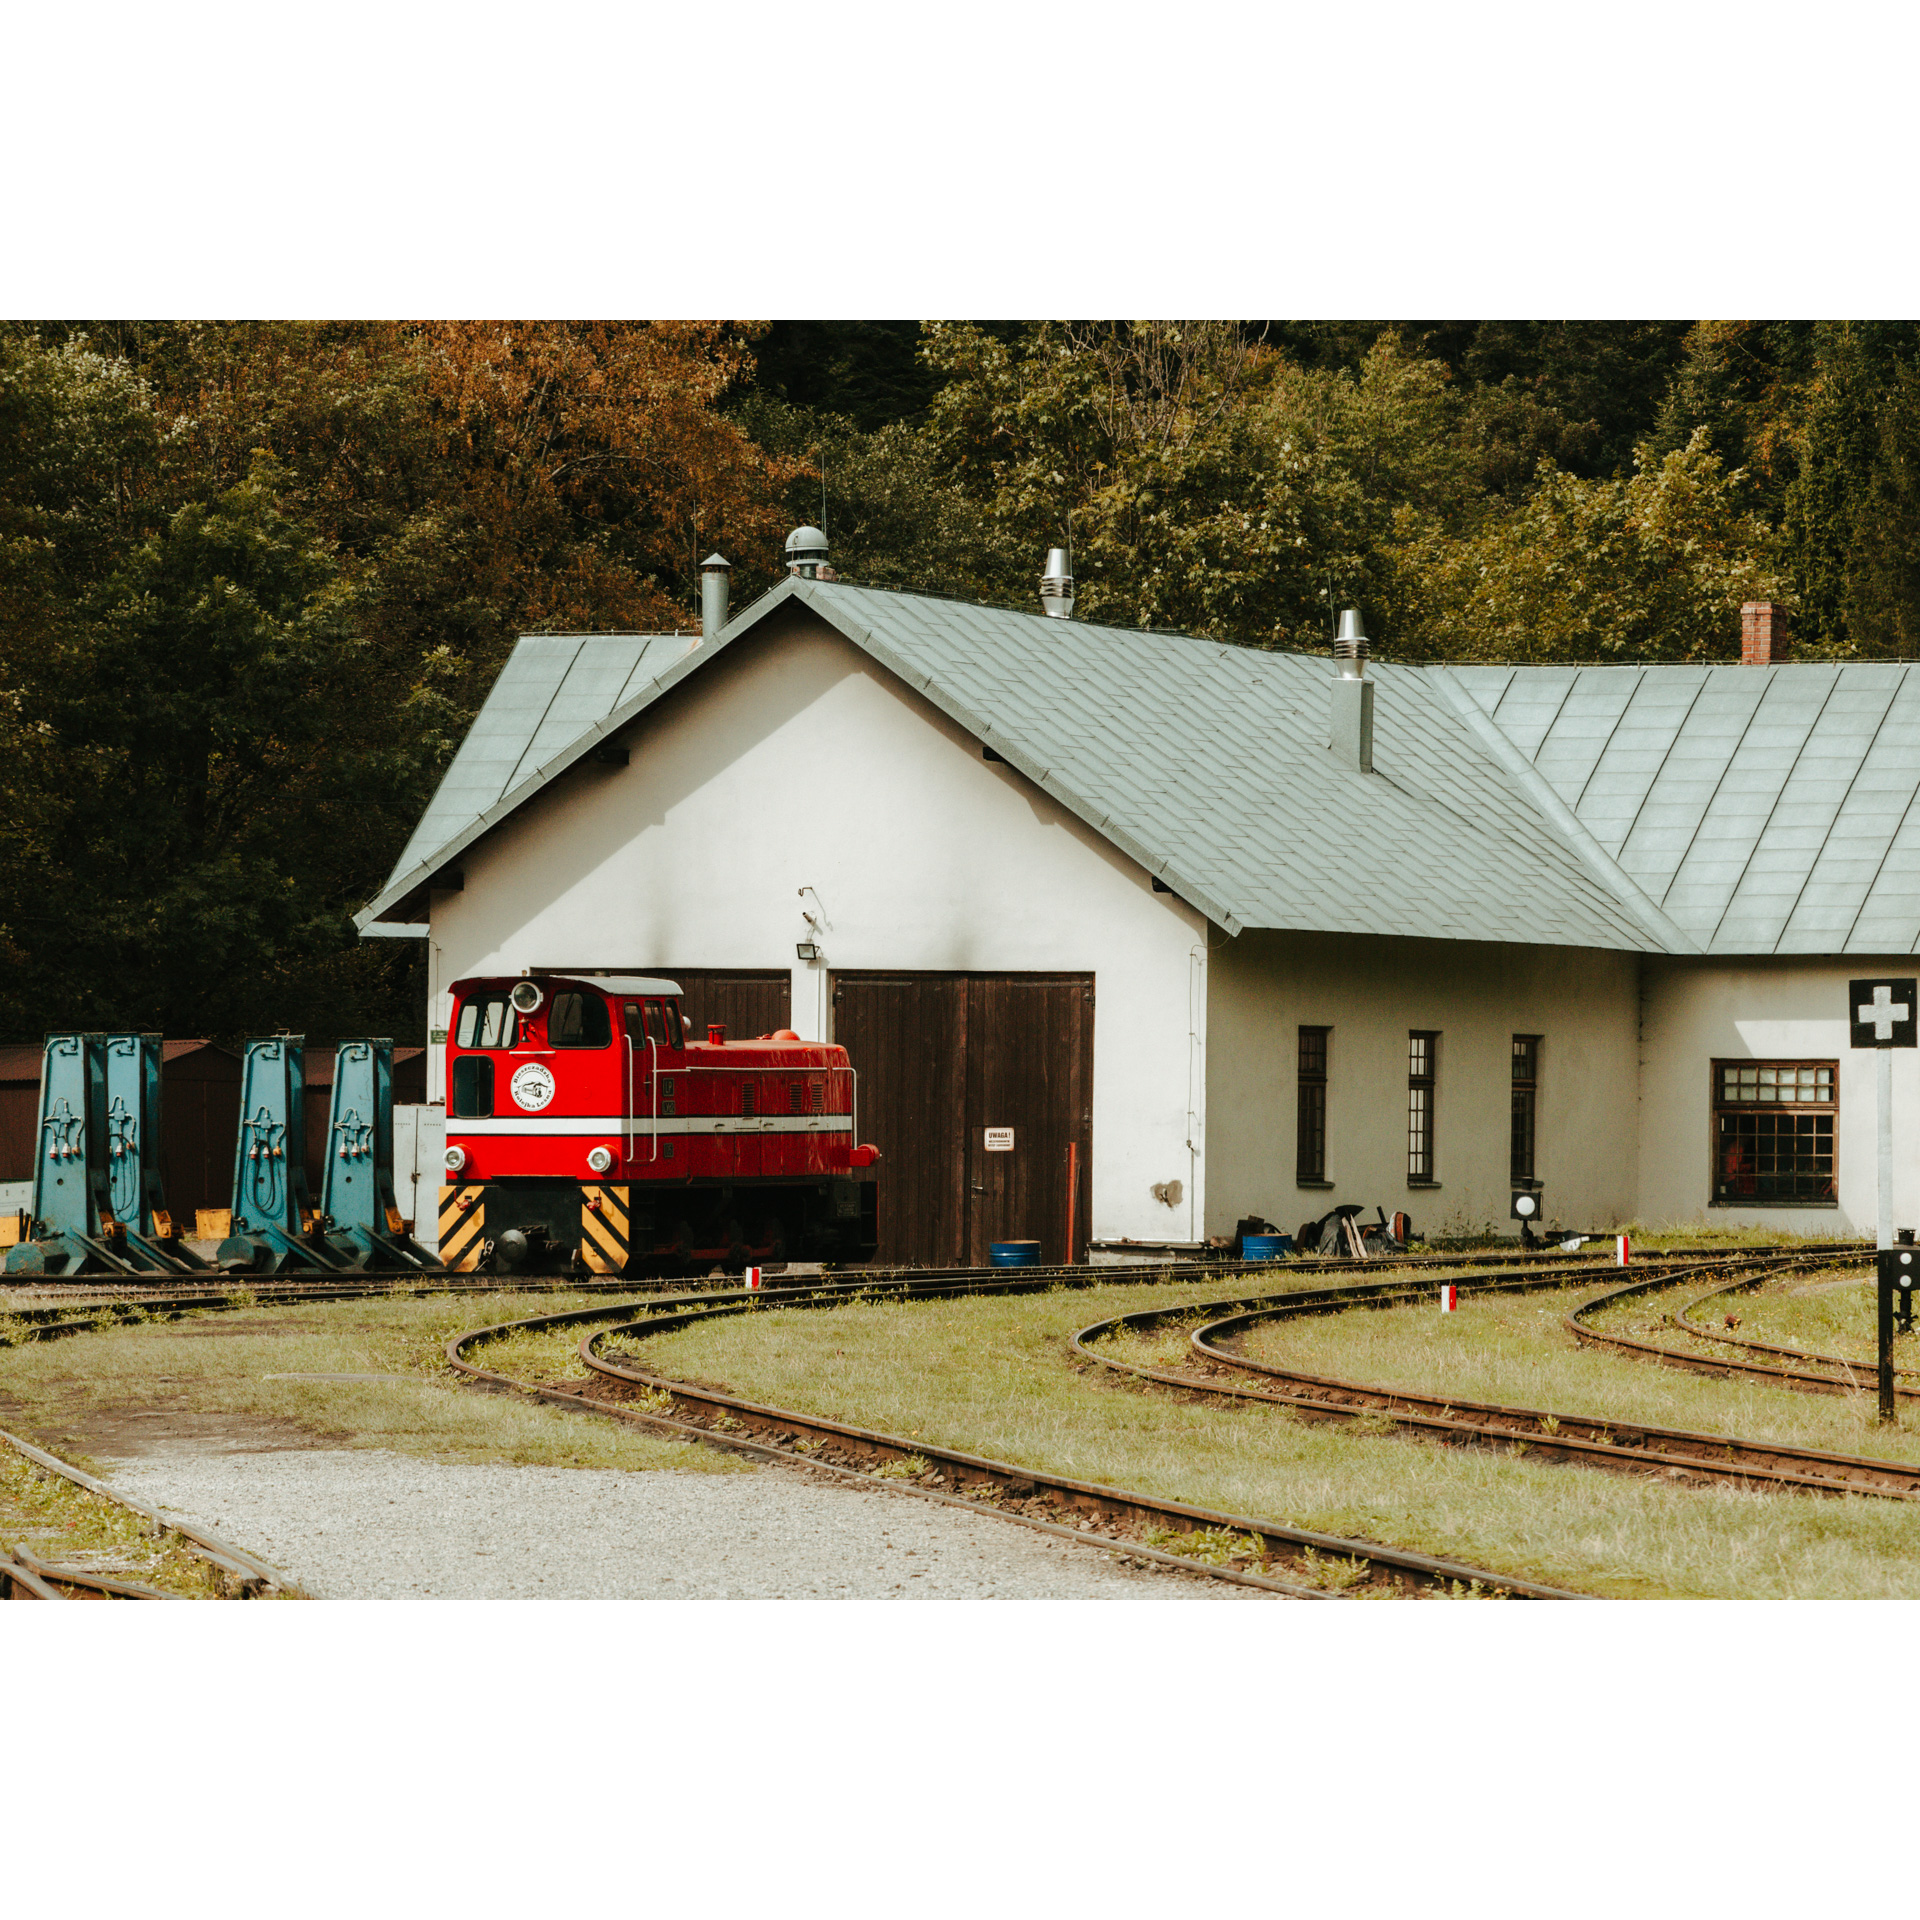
[{"x": 807, "y": 950}]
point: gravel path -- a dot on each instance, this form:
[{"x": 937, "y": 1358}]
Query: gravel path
[{"x": 382, "y": 1526}]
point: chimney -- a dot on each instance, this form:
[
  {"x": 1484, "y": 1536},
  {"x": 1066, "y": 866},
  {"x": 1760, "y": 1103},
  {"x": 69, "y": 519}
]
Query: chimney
[
  {"x": 1350, "y": 736},
  {"x": 807, "y": 554},
  {"x": 1763, "y": 634},
  {"x": 1056, "y": 586},
  {"x": 715, "y": 581}
]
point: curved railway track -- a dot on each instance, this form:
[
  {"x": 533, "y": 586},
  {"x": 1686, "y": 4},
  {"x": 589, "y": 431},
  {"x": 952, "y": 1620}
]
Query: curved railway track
[
  {"x": 1264, "y": 1553},
  {"x": 1300, "y": 1562},
  {"x": 1218, "y": 1369},
  {"x": 236, "y": 1574},
  {"x": 1844, "y": 1376},
  {"x": 1847, "y": 1375}
]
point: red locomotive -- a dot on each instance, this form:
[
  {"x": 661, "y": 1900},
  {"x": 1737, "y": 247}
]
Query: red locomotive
[{"x": 588, "y": 1131}]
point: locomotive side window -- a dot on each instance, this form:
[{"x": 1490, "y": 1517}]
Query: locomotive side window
[
  {"x": 579, "y": 1020},
  {"x": 472, "y": 1087},
  {"x": 657, "y": 1027},
  {"x": 487, "y": 1021}
]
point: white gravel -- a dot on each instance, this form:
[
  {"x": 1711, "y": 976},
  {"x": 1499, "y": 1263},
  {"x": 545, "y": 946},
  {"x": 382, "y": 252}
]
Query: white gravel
[{"x": 382, "y": 1526}]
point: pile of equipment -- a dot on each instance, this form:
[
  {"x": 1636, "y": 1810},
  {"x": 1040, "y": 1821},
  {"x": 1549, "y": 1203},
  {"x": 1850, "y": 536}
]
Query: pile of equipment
[{"x": 98, "y": 1203}]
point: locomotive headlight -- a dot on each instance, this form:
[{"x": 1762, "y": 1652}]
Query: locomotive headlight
[
  {"x": 600, "y": 1159},
  {"x": 456, "y": 1159},
  {"x": 526, "y": 997}
]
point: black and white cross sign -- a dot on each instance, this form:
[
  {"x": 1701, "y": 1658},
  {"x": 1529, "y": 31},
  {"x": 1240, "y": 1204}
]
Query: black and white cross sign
[{"x": 1882, "y": 1012}]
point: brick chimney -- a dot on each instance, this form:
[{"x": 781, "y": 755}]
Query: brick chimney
[{"x": 1763, "y": 634}]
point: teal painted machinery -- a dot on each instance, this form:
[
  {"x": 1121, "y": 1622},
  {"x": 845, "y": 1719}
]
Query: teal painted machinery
[
  {"x": 98, "y": 1202},
  {"x": 360, "y": 1214},
  {"x": 275, "y": 1222}
]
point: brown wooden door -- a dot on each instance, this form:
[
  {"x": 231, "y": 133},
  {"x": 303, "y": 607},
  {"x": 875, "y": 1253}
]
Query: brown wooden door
[
  {"x": 906, "y": 1039},
  {"x": 747, "y": 1004},
  {"x": 1030, "y": 1075},
  {"x": 943, "y": 1057}
]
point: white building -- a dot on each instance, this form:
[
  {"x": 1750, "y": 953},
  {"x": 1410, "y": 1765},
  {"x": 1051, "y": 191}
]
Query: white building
[{"x": 1152, "y": 903}]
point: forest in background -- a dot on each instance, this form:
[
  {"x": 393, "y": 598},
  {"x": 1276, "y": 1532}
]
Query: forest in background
[{"x": 255, "y": 578}]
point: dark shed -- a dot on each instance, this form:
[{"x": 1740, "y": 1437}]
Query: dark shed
[{"x": 200, "y": 1103}]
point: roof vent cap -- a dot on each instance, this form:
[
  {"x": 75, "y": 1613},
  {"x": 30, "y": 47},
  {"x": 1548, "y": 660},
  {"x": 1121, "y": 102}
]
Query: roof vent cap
[
  {"x": 807, "y": 554},
  {"x": 1056, "y": 586},
  {"x": 1350, "y": 646}
]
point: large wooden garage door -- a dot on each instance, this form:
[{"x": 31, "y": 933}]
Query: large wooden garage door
[
  {"x": 747, "y": 1004},
  {"x": 944, "y": 1058}
]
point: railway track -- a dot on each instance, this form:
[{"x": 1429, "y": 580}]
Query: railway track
[
  {"x": 235, "y": 1573},
  {"x": 1842, "y": 1374},
  {"x": 1218, "y": 1369},
  {"x": 1299, "y": 1562}
]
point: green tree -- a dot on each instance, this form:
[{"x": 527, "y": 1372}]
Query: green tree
[{"x": 1653, "y": 567}]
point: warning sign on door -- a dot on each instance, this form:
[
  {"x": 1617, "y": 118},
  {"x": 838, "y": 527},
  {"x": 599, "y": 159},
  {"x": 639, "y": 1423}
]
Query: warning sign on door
[{"x": 999, "y": 1139}]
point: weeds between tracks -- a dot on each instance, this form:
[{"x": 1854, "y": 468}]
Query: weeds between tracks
[
  {"x": 991, "y": 1376},
  {"x": 125, "y": 1388}
]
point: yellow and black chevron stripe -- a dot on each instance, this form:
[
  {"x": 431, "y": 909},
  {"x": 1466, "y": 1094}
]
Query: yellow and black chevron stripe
[
  {"x": 463, "y": 1228},
  {"x": 604, "y": 1233}
]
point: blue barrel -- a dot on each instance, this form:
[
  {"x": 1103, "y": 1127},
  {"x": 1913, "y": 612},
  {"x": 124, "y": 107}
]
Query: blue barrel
[
  {"x": 1014, "y": 1253},
  {"x": 1266, "y": 1246}
]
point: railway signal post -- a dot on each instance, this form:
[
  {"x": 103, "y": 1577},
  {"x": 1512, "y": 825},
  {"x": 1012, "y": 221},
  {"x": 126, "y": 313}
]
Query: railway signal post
[
  {"x": 1897, "y": 1270},
  {"x": 1882, "y": 1015}
]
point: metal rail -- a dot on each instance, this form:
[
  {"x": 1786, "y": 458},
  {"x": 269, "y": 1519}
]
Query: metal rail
[
  {"x": 1799, "y": 1379},
  {"x": 1621, "y": 1446},
  {"x": 244, "y": 1576},
  {"x": 1816, "y": 1383},
  {"x": 1014, "y": 1492}
]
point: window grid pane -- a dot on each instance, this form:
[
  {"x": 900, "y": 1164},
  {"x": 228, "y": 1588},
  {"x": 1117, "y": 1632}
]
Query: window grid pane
[
  {"x": 1526, "y": 1090},
  {"x": 1763, "y": 1155},
  {"x": 1310, "y": 1149},
  {"x": 1421, "y": 1050}
]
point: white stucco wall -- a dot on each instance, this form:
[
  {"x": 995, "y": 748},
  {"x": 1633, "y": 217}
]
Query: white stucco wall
[
  {"x": 794, "y": 761},
  {"x": 1372, "y": 992},
  {"x": 1768, "y": 1009}
]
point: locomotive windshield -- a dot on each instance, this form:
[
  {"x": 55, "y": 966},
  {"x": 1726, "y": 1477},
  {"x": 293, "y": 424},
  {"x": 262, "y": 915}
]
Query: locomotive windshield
[{"x": 487, "y": 1020}]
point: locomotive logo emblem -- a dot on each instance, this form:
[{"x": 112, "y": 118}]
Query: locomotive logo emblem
[{"x": 532, "y": 1087}]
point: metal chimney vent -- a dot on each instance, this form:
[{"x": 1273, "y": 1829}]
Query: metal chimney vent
[
  {"x": 1056, "y": 586},
  {"x": 1350, "y": 706},
  {"x": 715, "y": 580},
  {"x": 1350, "y": 646},
  {"x": 807, "y": 554}
]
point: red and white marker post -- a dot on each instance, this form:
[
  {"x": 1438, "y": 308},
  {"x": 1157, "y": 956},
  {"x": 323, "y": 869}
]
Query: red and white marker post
[
  {"x": 754, "y": 1278},
  {"x": 1622, "y": 1250},
  {"x": 1449, "y": 1299}
]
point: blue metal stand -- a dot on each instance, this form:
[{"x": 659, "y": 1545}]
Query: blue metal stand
[
  {"x": 273, "y": 1225},
  {"x": 149, "y": 1241},
  {"x": 362, "y": 1217}
]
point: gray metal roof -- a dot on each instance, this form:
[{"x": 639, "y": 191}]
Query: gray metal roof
[
  {"x": 1762, "y": 809},
  {"x": 1611, "y": 807},
  {"x": 553, "y": 689}
]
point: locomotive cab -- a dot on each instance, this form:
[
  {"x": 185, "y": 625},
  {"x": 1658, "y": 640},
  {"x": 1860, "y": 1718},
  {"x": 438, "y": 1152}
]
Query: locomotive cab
[{"x": 589, "y": 1131}]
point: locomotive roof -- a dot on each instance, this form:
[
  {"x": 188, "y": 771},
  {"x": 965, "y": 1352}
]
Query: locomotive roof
[
  {"x": 629, "y": 983},
  {"x": 1678, "y": 809}
]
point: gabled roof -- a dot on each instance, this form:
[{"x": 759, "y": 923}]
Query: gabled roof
[
  {"x": 1762, "y": 809},
  {"x": 1205, "y": 762},
  {"x": 1493, "y": 812}
]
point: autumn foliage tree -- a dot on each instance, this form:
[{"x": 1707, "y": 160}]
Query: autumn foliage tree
[{"x": 255, "y": 580}]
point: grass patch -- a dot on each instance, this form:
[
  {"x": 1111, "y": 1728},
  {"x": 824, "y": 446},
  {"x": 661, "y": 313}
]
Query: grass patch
[
  {"x": 1818, "y": 1314},
  {"x": 995, "y": 1376},
  {"x": 65, "y": 1525},
  {"x": 82, "y": 1396},
  {"x": 1515, "y": 1349}
]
